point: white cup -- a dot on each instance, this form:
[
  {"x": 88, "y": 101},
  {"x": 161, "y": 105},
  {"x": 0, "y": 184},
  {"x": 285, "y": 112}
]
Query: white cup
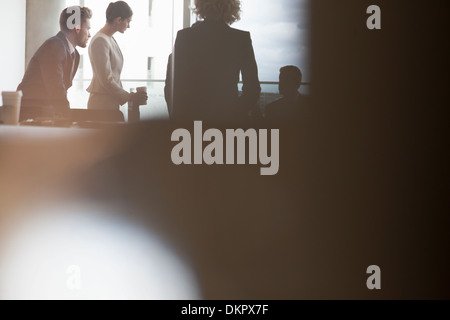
[
  {"x": 141, "y": 89},
  {"x": 10, "y": 111}
]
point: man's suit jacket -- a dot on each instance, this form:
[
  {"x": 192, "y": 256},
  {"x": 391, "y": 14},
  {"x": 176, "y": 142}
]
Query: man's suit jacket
[
  {"x": 49, "y": 75},
  {"x": 208, "y": 60}
]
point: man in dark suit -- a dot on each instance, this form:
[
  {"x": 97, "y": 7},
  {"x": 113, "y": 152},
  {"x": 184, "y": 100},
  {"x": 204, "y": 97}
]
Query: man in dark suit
[
  {"x": 209, "y": 58},
  {"x": 52, "y": 68}
]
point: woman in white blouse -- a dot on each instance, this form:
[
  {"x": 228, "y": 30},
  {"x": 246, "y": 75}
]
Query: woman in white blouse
[{"x": 106, "y": 91}]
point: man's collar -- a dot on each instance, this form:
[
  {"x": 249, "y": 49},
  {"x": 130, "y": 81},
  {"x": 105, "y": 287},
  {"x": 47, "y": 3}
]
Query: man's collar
[{"x": 71, "y": 47}]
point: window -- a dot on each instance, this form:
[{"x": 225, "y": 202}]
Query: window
[
  {"x": 280, "y": 34},
  {"x": 12, "y": 47},
  {"x": 145, "y": 47},
  {"x": 150, "y": 7},
  {"x": 149, "y": 64},
  {"x": 279, "y": 31}
]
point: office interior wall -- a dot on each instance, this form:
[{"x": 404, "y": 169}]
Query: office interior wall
[
  {"x": 12, "y": 45},
  {"x": 42, "y": 22}
]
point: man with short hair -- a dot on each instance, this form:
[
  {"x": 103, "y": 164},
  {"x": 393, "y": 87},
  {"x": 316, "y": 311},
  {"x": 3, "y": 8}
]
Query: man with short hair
[
  {"x": 291, "y": 106},
  {"x": 51, "y": 70}
]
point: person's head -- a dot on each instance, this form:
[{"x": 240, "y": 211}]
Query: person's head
[
  {"x": 225, "y": 10},
  {"x": 76, "y": 22},
  {"x": 119, "y": 15},
  {"x": 290, "y": 80}
]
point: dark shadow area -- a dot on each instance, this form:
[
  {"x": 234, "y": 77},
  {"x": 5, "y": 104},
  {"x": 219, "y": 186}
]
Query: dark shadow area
[{"x": 380, "y": 147}]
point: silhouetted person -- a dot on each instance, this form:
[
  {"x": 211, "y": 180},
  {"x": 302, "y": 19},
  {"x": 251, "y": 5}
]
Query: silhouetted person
[
  {"x": 292, "y": 105},
  {"x": 51, "y": 70},
  {"x": 209, "y": 57}
]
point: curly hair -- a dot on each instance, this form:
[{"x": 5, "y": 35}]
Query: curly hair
[{"x": 227, "y": 10}]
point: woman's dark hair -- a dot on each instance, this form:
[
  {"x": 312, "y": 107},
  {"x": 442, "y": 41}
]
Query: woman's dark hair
[{"x": 118, "y": 9}]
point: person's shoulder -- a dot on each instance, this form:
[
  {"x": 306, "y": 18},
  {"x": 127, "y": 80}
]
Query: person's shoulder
[
  {"x": 195, "y": 27},
  {"x": 100, "y": 40},
  {"x": 54, "y": 45},
  {"x": 55, "y": 40},
  {"x": 184, "y": 34},
  {"x": 239, "y": 32},
  {"x": 190, "y": 33},
  {"x": 58, "y": 38},
  {"x": 101, "y": 37}
]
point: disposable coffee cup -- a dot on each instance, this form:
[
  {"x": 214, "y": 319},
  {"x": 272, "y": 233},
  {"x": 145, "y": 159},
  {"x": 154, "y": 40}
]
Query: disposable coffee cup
[
  {"x": 10, "y": 111},
  {"x": 141, "y": 89}
]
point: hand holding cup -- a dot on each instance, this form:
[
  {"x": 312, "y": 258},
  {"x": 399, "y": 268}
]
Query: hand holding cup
[{"x": 141, "y": 96}]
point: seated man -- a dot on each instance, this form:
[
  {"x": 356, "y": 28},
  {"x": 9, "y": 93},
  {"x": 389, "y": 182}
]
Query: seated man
[
  {"x": 51, "y": 70},
  {"x": 289, "y": 108}
]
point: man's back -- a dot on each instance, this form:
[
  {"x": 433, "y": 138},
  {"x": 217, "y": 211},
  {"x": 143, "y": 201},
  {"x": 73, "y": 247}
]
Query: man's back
[{"x": 49, "y": 75}]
